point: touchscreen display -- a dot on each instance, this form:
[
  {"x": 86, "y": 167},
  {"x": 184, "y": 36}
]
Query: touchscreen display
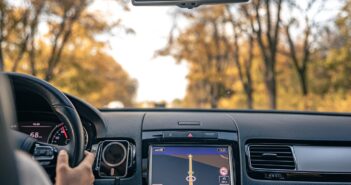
[{"x": 184, "y": 165}]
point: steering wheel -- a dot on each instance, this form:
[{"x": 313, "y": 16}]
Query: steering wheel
[{"x": 46, "y": 153}]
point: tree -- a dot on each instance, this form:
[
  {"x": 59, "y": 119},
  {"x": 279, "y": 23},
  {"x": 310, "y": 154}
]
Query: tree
[
  {"x": 209, "y": 64},
  {"x": 28, "y": 29},
  {"x": 242, "y": 61},
  {"x": 335, "y": 55},
  {"x": 294, "y": 54},
  {"x": 266, "y": 28},
  {"x": 4, "y": 18},
  {"x": 68, "y": 52},
  {"x": 300, "y": 64},
  {"x": 299, "y": 53},
  {"x": 60, "y": 17},
  {"x": 69, "y": 12},
  {"x": 96, "y": 78}
]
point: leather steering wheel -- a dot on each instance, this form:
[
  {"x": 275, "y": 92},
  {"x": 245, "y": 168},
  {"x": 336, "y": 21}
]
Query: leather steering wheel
[{"x": 46, "y": 153}]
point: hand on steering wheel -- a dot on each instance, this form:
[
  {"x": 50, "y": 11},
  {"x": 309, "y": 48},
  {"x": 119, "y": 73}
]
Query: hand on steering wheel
[{"x": 82, "y": 174}]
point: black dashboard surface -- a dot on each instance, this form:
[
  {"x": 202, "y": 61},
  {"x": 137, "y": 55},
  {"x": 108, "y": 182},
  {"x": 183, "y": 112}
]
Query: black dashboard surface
[
  {"x": 237, "y": 128},
  {"x": 315, "y": 128},
  {"x": 297, "y": 128}
]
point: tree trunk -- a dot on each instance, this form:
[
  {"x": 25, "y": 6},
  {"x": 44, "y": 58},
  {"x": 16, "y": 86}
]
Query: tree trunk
[
  {"x": 300, "y": 64},
  {"x": 214, "y": 103},
  {"x": 271, "y": 86},
  {"x": 248, "y": 85},
  {"x": 244, "y": 75},
  {"x": 34, "y": 28},
  {"x": 249, "y": 96},
  {"x": 214, "y": 96},
  {"x": 304, "y": 88},
  {"x": 303, "y": 81},
  {"x": 32, "y": 58},
  {"x": 61, "y": 40}
]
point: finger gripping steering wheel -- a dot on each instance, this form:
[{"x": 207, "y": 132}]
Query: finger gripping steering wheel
[{"x": 64, "y": 110}]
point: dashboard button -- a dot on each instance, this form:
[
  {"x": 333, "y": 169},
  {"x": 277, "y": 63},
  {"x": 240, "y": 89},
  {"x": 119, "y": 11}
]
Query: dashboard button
[
  {"x": 174, "y": 134},
  {"x": 210, "y": 135},
  {"x": 190, "y": 134}
]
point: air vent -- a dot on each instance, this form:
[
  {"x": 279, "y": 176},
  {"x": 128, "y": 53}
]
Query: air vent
[{"x": 272, "y": 157}]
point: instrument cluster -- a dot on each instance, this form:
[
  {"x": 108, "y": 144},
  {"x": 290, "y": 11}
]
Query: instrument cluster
[{"x": 47, "y": 128}]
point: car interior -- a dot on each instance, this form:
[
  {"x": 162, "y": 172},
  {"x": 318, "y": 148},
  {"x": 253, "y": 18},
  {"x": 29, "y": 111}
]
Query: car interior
[{"x": 157, "y": 146}]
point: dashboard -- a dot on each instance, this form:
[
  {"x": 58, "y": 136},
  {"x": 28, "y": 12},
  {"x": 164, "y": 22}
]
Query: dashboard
[{"x": 202, "y": 147}]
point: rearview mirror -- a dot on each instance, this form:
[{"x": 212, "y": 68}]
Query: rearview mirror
[{"x": 183, "y": 3}]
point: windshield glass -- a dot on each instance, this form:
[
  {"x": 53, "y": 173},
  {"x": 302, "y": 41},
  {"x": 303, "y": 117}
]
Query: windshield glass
[{"x": 275, "y": 54}]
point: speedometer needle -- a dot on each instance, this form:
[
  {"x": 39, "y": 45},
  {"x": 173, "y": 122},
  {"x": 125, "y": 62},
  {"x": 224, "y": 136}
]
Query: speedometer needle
[{"x": 64, "y": 132}]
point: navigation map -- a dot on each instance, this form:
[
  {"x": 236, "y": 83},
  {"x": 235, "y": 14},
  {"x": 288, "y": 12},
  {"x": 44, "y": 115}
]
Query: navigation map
[{"x": 190, "y": 166}]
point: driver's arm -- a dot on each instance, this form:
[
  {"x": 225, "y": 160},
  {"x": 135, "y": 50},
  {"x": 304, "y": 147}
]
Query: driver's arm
[{"x": 80, "y": 175}]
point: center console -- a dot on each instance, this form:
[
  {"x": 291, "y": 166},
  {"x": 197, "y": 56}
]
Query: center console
[
  {"x": 190, "y": 157},
  {"x": 190, "y": 164}
]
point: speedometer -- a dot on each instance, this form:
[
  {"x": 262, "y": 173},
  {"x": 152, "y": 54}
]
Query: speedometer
[{"x": 59, "y": 136}]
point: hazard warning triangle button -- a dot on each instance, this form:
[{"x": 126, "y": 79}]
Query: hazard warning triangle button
[{"x": 190, "y": 135}]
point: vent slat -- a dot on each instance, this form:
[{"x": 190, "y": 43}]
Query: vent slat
[
  {"x": 272, "y": 148},
  {"x": 274, "y": 166},
  {"x": 278, "y": 157},
  {"x": 258, "y": 161},
  {"x": 278, "y": 152},
  {"x": 271, "y": 157}
]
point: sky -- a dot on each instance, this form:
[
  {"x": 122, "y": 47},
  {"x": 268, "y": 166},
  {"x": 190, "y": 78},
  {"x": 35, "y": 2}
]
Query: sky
[{"x": 159, "y": 78}]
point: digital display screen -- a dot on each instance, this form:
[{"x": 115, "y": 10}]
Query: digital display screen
[
  {"x": 48, "y": 132},
  {"x": 39, "y": 130},
  {"x": 190, "y": 165}
]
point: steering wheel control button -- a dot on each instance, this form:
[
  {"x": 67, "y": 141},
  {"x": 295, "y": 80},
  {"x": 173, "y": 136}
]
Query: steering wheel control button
[{"x": 44, "y": 154}]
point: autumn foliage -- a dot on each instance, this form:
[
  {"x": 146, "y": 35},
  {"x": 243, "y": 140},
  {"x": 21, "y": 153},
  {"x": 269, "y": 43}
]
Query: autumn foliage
[
  {"x": 58, "y": 42},
  {"x": 265, "y": 55}
]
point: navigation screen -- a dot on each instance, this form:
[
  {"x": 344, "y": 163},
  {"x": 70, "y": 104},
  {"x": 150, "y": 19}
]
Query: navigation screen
[{"x": 183, "y": 165}]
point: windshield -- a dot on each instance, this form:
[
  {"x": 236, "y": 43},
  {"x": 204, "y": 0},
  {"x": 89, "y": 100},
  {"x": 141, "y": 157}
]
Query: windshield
[{"x": 275, "y": 54}]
